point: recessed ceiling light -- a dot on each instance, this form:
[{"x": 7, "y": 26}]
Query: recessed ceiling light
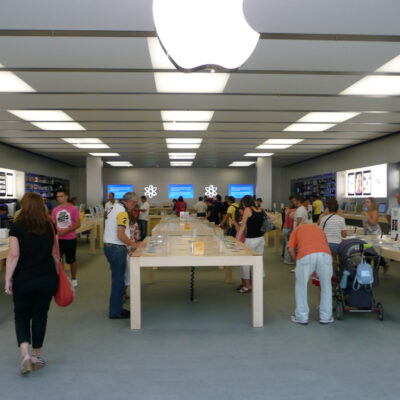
[
  {"x": 273, "y": 146},
  {"x": 392, "y": 66},
  {"x": 336, "y": 117},
  {"x": 308, "y": 127},
  {"x": 241, "y": 163},
  {"x": 375, "y": 86},
  {"x": 189, "y": 116},
  {"x": 159, "y": 59},
  {"x": 183, "y": 146},
  {"x": 181, "y": 163},
  {"x": 104, "y": 154},
  {"x": 185, "y": 126},
  {"x": 81, "y": 140},
  {"x": 41, "y": 115},
  {"x": 184, "y": 140},
  {"x": 283, "y": 141},
  {"x": 10, "y": 82},
  {"x": 258, "y": 154},
  {"x": 120, "y": 163},
  {"x": 92, "y": 146},
  {"x": 59, "y": 126},
  {"x": 181, "y": 156}
]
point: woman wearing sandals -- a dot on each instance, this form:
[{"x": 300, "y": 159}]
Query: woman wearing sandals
[
  {"x": 31, "y": 277},
  {"x": 252, "y": 221}
]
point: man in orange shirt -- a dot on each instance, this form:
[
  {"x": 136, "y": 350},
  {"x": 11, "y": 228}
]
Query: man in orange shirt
[{"x": 313, "y": 255}]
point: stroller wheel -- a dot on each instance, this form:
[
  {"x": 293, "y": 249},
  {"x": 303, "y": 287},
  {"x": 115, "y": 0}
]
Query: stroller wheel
[
  {"x": 339, "y": 310},
  {"x": 380, "y": 311}
]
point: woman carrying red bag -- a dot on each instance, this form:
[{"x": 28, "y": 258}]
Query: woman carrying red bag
[{"x": 31, "y": 277}]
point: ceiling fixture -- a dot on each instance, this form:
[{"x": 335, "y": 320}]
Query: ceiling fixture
[
  {"x": 283, "y": 141},
  {"x": 86, "y": 143},
  {"x": 241, "y": 163},
  {"x": 335, "y": 117},
  {"x": 185, "y": 126},
  {"x": 104, "y": 154},
  {"x": 273, "y": 146},
  {"x": 181, "y": 163},
  {"x": 59, "y": 126},
  {"x": 296, "y": 127},
  {"x": 204, "y": 34},
  {"x": 41, "y": 115},
  {"x": 259, "y": 154},
  {"x": 10, "y": 82},
  {"x": 189, "y": 116},
  {"x": 120, "y": 163},
  {"x": 183, "y": 143},
  {"x": 181, "y": 156},
  {"x": 92, "y": 146},
  {"x": 391, "y": 66}
]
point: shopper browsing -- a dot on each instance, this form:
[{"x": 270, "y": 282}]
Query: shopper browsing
[
  {"x": 67, "y": 219},
  {"x": 287, "y": 230},
  {"x": 318, "y": 207},
  {"x": 389, "y": 211},
  {"x": 31, "y": 277},
  {"x": 134, "y": 236},
  {"x": 230, "y": 215},
  {"x": 309, "y": 247},
  {"x": 300, "y": 216},
  {"x": 143, "y": 217},
  {"x": 200, "y": 207},
  {"x": 181, "y": 206},
  {"x": 116, "y": 240},
  {"x": 110, "y": 203}
]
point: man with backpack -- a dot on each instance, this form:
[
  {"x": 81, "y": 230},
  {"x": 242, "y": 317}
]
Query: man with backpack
[{"x": 233, "y": 213}]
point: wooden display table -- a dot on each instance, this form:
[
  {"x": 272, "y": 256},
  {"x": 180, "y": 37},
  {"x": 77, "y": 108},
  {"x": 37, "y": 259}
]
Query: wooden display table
[
  {"x": 154, "y": 220},
  {"x": 276, "y": 234},
  {"x": 91, "y": 226},
  {"x": 3, "y": 251},
  {"x": 358, "y": 217},
  {"x": 177, "y": 253}
]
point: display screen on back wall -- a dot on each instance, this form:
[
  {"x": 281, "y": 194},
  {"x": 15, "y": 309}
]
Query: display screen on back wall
[
  {"x": 186, "y": 191},
  {"x": 239, "y": 191},
  {"x": 119, "y": 190},
  {"x": 367, "y": 181}
]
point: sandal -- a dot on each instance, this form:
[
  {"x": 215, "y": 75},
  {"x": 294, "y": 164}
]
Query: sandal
[
  {"x": 26, "y": 366},
  {"x": 244, "y": 289},
  {"x": 239, "y": 287},
  {"x": 38, "y": 364}
]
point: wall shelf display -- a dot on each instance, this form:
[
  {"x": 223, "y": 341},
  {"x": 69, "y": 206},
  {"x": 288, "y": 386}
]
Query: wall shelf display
[
  {"x": 323, "y": 185},
  {"x": 46, "y": 186}
]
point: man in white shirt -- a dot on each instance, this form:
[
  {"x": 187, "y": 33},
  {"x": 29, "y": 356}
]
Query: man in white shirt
[
  {"x": 301, "y": 215},
  {"x": 111, "y": 201},
  {"x": 143, "y": 217},
  {"x": 200, "y": 207},
  {"x": 389, "y": 211}
]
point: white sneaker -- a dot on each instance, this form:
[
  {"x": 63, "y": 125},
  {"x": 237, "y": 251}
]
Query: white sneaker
[
  {"x": 74, "y": 283},
  {"x": 296, "y": 321},
  {"x": 289, "y": 263},
  {"x": 329, "y": 321},
  {"x": 293, "y": 270}
]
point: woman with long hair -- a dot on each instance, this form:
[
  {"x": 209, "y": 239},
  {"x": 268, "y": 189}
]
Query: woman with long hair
[
  {"x": 31, "y": 277},
  {"x": 371, "y": 216},
  {"x": 133, "y": 234},
  {"x": 252, "y": 222}
]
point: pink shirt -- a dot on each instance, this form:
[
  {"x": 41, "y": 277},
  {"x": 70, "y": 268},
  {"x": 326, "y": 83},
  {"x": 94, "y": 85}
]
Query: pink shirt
[
  {"x": 289, "y": 219},
  {"x": 65, "y": 217}
]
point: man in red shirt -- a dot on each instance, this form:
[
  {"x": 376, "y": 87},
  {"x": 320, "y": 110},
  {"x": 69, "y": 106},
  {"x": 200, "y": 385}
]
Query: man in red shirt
[{"x": 313, "y": 255}]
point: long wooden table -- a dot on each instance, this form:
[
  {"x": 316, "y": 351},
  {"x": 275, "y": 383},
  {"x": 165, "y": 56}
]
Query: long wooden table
[
  {"x": 177, "y": 253},
  {"x": 358, "y": 217}
]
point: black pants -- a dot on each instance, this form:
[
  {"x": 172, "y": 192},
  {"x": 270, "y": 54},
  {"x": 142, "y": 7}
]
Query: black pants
[{"x": 31, "y": 303}]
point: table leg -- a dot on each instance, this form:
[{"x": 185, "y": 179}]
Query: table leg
[
  {"x": 92, "y": 239},
  {"x": 258, "y": 303},
  {"x": 228, "y": 274},
  {"x": 135, "y": 294},
  {"x": 266, "y": 239},
  {"x": 101, "y": 234},
  {"x": 149, "y": 275}
]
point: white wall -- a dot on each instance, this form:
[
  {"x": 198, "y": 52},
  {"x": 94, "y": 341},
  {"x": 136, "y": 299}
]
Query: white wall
[{"x": 162, "y": 177}]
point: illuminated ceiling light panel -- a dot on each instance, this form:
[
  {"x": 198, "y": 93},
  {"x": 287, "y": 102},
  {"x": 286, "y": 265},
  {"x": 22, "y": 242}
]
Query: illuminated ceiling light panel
[
  {"x": 188, "y": 116},
  {"x": 273, "y": 146},
  {"x": 185, "y": 126},
  {"x": 41, "y": 115},
  {"x": 92, "y": 146},
  {"x": 159, "y": 59},
  {"x": 241, "y": 163},
  {"x": 59, "y": 126},
  {"x": 308, "y": 127},
  {"x": 10, "y": 82},
  {"x": 198, "y": 34},
  {"x": 392, "y": 66},
  {"x": 335, "y": 117},
  {"x": 283, "y": 141},
  {"x": 182, "y": 156},
  {"x": 82, "y": 140},
  {"x": 120, "y": 163},
  {"x": 184, "y": 140},
  {"x": 259, "y": 154},
  {"x": 104, "y": 154},
  {"x": 375, "y": 86},
  {"x": 175, "y": 82},
  {"x": 181, "y": 163},
  {"x": 183, "y": 146}
]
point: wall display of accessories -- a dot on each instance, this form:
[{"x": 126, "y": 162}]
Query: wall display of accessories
[
  {"x": 44, "y": 185},
  {"x": 323, "y": 185}
]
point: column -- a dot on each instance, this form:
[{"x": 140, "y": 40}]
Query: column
[
  {"x": 94, "y": 181},
  {"x": 264, "y": 181}
]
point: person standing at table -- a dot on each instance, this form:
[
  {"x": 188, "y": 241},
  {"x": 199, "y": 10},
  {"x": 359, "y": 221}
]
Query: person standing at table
[
  {"x": 396, "y": 205},
  {"x": 287, "y": 230},
  {"x": 116, "y": 240},
  {"x": 200, "y": 207},
  {"x": 371, "y": 216},
  {"x": 31, "y": 277},
  {"x": 67, "y": 219},
  {"x": 110, "y": 203},
  {"x": 143, "y": 217},
  {"x": 300, "y": 215},
  {"x": 181, "y": 206},
  {"x": 318, "y": 207}
]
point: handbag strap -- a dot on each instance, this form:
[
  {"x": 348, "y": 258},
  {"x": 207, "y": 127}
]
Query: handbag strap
[
  {"x": 56, "y": 242},
  {"x": 323, "y": 228}
]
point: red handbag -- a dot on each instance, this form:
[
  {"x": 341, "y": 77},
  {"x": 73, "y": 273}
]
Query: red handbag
[{"x": 65, "y": 292}]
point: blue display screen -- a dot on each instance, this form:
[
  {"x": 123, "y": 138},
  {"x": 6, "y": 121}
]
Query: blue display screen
[
  {"x": 239, "y": 191},
  {"x": 186, "y": 191},
  {"x": 119, "y": 190}
]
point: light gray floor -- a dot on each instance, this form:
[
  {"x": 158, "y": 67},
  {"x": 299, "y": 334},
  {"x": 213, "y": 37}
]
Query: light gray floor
[{"x": 206, "y": 350}]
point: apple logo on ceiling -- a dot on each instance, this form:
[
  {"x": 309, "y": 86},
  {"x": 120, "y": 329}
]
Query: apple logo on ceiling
[{"x": 199, "y": 34}]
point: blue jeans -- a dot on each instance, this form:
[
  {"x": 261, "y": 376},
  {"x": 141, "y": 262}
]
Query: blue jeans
[
  {"x": 143, "y": 228},
  {"x": 334, "y": 248},
  {"x": 116, "y": 256}
]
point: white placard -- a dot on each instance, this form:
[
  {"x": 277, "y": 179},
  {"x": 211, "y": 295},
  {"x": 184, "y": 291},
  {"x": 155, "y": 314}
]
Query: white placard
[
  {"x": 367, "y": 181},
  {"x": 7, "y": 184},
  {"x": 394, "y": 225}
]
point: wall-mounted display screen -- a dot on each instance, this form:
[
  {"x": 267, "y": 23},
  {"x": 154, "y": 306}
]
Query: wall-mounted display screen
[
  {"x": 186, "y": 191},
  {"x": 239, "y": 191},
  {"x": 382, "y": 208},
  {"x": 367, "y": 181},
  {"x": 119, "y": 190},
  {"x": 7, "y": 184}
]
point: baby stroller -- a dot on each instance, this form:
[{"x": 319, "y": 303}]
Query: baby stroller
[{"x": 351, "y": 296}]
